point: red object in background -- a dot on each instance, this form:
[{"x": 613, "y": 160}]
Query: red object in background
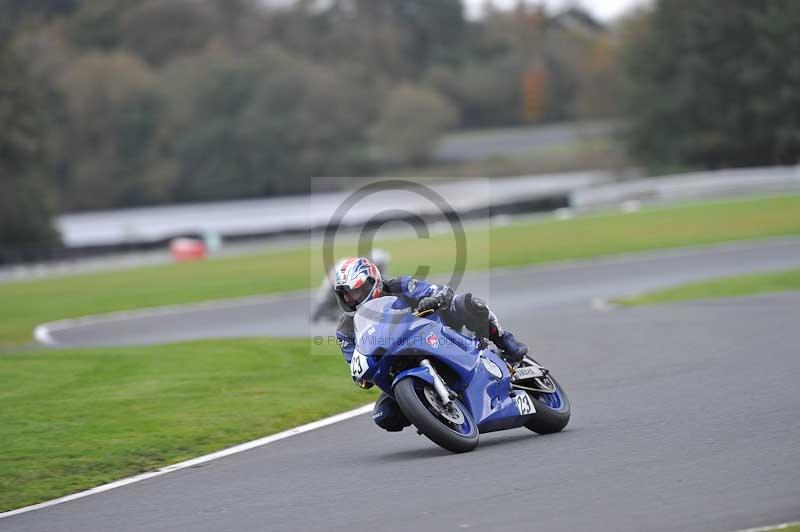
[{"x": 184, "y": 249}]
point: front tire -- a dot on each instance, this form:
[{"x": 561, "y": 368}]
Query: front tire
[{"x": 454, "y": 430}]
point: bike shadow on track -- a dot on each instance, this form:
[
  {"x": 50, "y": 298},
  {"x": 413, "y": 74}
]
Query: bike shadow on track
[{"x": 425, "y": 449}]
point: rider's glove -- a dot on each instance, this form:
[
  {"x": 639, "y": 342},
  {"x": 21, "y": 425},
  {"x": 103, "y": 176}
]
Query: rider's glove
[
  {"x": 430, "y": 303},
  {"x": 440, "y": 299}
]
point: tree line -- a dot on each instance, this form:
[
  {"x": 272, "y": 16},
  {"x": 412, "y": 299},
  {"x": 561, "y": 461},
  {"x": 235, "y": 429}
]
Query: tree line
[
  {"x": 185, "y": 100},
  {"x": 119, "y": 102},
  {"x": 713, "y": 84}
]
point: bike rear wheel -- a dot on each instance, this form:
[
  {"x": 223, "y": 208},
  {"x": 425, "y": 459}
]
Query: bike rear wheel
[{"x": 552, "y": 411}]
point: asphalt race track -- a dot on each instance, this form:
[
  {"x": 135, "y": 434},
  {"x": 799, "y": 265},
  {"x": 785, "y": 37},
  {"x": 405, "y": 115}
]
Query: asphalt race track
[
  {"x": 521, "y": 297},
  {"x": 685, "y": 417}
]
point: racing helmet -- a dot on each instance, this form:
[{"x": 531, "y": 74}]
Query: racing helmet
[{"x": 356, "y": 281}]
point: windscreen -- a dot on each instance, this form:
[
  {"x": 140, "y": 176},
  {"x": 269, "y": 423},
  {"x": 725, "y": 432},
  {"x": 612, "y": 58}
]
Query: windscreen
[{"x": 380, "y": 310}]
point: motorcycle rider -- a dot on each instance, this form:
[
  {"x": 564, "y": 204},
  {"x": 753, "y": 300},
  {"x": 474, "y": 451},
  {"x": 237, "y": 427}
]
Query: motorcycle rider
[{"x": 358, "y": 280}]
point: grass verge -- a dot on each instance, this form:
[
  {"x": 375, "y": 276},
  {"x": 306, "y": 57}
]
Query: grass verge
[
  {"x": 74, "y": 419},
  {"x": 792, "y": 527},
  {"x": 25, "y": 304},
  {"x": 586, "y": 155},
  {"x": 725, "y": 287}
]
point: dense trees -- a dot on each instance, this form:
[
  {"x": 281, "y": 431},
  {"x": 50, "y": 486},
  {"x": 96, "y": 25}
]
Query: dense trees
[
  {"x": 261, "y": 125},
  {"x": 182, "y": 100},
  {"x": 25, "y": 198},
  {"x": 128, "y": 102},
  {"x": 178, "y": 100},
  {"x": 714, "y": 85},
  {"x": 412, "y": 119},
  {"x": 110, "y": 110}
]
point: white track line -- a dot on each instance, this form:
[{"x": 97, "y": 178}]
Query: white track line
[
  {"x": 42, "y": 335},
  {"x": 199, "y": 460},
  {"x": 782, "y": 526},
  {"x": 42, "y": 332},
  {"x": 601, "y": 304}
]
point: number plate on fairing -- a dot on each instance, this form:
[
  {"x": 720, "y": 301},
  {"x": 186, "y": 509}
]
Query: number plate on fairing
[
  {"x": 524, "y": 404},
  {"x": 527, "y": 372},
  {"x": 359, "y": 364}
]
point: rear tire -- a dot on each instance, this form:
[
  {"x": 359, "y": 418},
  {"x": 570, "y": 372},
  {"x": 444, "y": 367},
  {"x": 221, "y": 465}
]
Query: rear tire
[
  {"x": 547, "y": 419},
  {"x": 410, "y": 395}
]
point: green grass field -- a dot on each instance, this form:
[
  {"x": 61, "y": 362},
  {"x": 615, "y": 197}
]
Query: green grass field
[
  {"x": 74, "y": 419},
  {"x": 725, "y": 287},
  {"x": 591, "y": 154},
  {"x": 25, "y": 304},
  {"x": 789, "y": 528}
]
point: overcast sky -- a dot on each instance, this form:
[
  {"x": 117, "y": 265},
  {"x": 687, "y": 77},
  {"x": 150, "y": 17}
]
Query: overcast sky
[{"x": 602, "y": 9}]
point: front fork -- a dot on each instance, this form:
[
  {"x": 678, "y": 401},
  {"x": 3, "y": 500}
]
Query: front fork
[{"x": 438, "y": 384}]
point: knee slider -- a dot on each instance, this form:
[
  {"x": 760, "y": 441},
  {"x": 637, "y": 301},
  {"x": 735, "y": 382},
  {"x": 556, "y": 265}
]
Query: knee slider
[{"x": 388, "y": 416}]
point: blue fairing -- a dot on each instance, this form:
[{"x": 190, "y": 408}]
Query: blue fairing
[
  {"x": 419, "y": 372},
  {"x": 392, "y": 341}
]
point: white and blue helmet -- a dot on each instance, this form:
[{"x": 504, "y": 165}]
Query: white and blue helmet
[{"x": 356, "y": 281}]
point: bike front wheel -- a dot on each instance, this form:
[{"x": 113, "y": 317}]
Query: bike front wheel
[{"x": 449, "y": 426}]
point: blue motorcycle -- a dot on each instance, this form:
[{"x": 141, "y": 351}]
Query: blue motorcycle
[{"x": 449, "y": 385}]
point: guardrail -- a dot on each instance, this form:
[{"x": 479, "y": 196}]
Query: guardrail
[
  {"x": 282, "y": 215},
  {"x": 698, "y": 185},
  {"x": 133, "y": 231}
]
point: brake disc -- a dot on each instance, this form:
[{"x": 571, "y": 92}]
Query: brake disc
[{"x": 450, "y": 412}]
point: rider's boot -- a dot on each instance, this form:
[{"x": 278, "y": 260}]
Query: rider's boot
[
  {"x": 473, "y": 312},
  {"x": 513, "y": 350}
]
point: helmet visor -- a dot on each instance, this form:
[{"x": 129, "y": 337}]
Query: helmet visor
[{"x": 351, "y": 298}]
